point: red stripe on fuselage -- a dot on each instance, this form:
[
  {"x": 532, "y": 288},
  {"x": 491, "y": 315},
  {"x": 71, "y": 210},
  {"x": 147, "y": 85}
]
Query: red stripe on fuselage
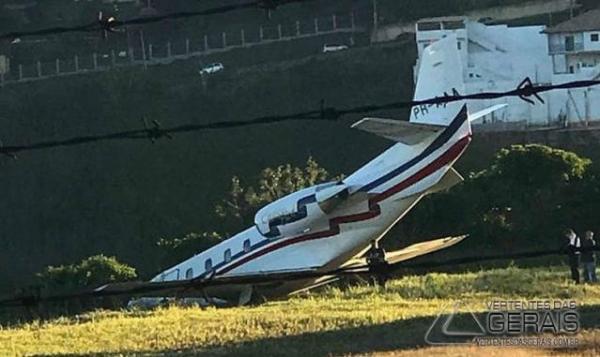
[{"x": 374, "y": 208}]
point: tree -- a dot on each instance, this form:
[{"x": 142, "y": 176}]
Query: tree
[
  {"x": 527, "y": 196},
  {"x": 238, "y": 209},
  {"x": 90, "y": 272}
]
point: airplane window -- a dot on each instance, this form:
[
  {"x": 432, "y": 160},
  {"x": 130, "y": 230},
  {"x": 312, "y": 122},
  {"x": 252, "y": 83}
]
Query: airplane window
[
  {"x": 247, "y": 245},
  {"x": 189, "y": 273},
  {"x": 227, "y": 255},
  {"x": 208, "y": 265}
]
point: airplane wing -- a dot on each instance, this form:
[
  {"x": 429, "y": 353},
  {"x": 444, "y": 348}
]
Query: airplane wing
[{"x": 411, "y": 251}]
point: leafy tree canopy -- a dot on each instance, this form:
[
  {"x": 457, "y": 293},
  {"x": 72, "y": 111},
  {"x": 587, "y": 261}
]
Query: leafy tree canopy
[{"x": 92, "y": 271}]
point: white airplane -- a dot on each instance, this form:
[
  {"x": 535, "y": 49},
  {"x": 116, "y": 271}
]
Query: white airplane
[{"x": 331, "y": 225}]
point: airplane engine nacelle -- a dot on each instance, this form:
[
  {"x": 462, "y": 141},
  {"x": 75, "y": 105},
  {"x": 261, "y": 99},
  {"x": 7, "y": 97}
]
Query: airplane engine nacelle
[{"x": 302, "y": 211}]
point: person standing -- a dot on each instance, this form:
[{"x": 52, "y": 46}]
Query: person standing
[
  {"x": 378, "y": 266},
  {"x": 573, "y": 245},
  {"x": 588, "y": 258}
]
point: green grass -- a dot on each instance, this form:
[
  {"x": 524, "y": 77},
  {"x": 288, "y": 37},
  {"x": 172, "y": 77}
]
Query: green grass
[{"x": 354, "y": 320}]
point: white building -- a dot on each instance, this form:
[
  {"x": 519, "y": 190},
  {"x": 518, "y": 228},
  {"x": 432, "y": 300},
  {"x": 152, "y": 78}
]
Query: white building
[
  {"x": 496, "y": 58},
  {"x": 574, "y": 47}
]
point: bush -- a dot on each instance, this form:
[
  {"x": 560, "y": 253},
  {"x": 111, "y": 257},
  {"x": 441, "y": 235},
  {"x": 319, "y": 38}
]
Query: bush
[{"x": 90, "y": 272}]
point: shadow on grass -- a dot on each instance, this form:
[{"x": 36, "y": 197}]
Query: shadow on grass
[{"x": 393, "y": 336}]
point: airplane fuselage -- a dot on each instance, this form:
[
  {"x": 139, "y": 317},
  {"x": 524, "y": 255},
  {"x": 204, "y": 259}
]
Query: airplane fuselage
[{"x": 382, "y": 192}]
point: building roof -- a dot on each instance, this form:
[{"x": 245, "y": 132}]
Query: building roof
[
  {"x": 443, "y": 18},
  {"x": 588, "y": 21}
]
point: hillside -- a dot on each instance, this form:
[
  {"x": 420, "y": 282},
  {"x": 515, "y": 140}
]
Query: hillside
[{"x": 359, "y": 320}]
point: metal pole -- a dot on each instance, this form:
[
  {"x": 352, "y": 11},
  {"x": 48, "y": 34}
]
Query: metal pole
[
  {"x": 150, "y": 50},
  {"x": 39, "y": 68},
  {"x": 297, "y": 28},
  {"x": 1, "y": 79},
  {"x": 243, "y": 37},
  {"x": 279, "y": 31},
  {"x": 113, "y": 58},
  {"x": 20, "y": 72},
  {"x": 334, "y": 20},
  {"x": 375, "y": 16},
  {"x": 571, "y": 6},
  {"x": 224, "y": 37},
  {"x": 352, "y": 20},
  {"x": 143, "y": 49},
  {"x": 316, "y": 25},
  {"x": 76, "y": 63},
  {"x": 95, "y": 61},
  {"x": 205, "y": 42},
  {"x": 187, "y": 46},
  {"x": 169, "y": 49},
  {"x": 57, "y": 66},
  {"x": 261, "y": 33}
]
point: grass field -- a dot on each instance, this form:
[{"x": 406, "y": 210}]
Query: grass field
[{"x": 353, "y": 321}]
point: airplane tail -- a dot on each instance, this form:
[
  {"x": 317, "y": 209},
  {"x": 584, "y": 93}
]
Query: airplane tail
[{"x": 440, "y": 72}]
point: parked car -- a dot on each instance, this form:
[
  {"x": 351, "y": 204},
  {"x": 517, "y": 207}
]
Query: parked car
[
  {"x": 334, "y": 48},
  {"x": 212, "y": 68}
]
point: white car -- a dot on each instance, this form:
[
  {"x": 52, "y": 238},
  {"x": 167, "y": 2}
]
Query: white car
[
  {"x": 212, "y": 68},
  {"x": 334, "y": 48}
]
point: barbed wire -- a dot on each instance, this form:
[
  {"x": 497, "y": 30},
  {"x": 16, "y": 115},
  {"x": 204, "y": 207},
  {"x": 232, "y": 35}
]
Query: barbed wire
[
  {"x": 107, "y": 24},
  {"x": 526, "y": 91}
]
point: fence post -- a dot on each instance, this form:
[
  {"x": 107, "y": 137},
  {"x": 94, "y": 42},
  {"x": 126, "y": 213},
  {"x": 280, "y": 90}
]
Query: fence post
[
  {"x": 316, "y": 25},
  {"x": 39, "y": 68},
  {"x": 261, "y": 32},
  {"x": 297, "y": 28},
  {"x": 76, "y": 63},
  {"x": 169, "y": 49},
  {"x": 113, "y": 58},
  {"x": 205, "y": 43},
  {"x": 20, "y": 72},
  {"x": 187, "y": 46},
  {"x": 334, "y": 20},
  {"x": 243, "y": 37},
  {"x": 224, "y": 36},
  {"x": 57, "y": 66}
]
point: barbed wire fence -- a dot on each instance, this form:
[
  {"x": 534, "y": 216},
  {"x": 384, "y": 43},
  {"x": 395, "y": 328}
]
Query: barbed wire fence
[{"x": 153, "y": 131}]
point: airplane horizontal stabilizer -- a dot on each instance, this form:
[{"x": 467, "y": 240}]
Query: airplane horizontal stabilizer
[
  {"x": 450, "y": 179},
  {"x": 397, "y": 130},
  {"x": 482, "y": 113}
]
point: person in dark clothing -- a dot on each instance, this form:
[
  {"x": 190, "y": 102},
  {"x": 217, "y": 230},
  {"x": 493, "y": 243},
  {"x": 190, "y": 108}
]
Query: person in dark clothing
[
  {"x": 588, "y": 258},
  {"x": 378, "y": 266},
  {"x": 572, "y": 247}
]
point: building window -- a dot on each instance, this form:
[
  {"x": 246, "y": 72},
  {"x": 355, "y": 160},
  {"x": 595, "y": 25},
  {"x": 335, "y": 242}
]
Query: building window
[
  {"x": 189, "y": 273},
  {"x": 459, "y": 45},
  {"x": 595, "y": 37},
  {"x": 208, "y": 265},
  {"x": 247, "y": 245},
  {"x": 227, "y": 255}
]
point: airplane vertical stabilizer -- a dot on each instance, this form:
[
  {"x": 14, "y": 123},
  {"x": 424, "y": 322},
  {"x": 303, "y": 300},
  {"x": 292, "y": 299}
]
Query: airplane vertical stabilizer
[{"x": 440, "y": 71}]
